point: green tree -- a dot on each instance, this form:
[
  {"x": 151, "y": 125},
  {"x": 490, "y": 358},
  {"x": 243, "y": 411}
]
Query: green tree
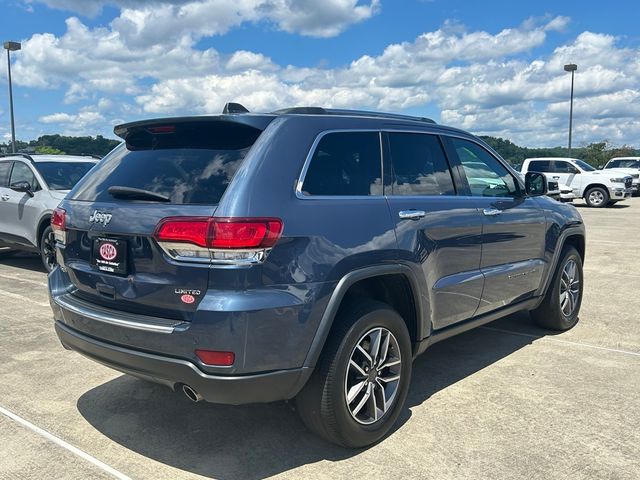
[{"x": 43, "y": 150}]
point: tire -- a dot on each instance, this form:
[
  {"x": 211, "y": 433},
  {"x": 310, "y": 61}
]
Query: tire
[
  {"x": 48, "y": 250},
  {"x": 322, "y": 403},
  {"x": 550, "y": 314},
  {"x": 597, "y": 197}
]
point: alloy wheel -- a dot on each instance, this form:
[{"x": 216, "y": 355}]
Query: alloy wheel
[
  {"x": 373, "y": 376},
  {"x": 569, "y": 288}
]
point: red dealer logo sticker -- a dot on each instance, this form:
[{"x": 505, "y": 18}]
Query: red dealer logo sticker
[
  {"x": 186, "y": 298},
  {"x": 108, "y": 251}
]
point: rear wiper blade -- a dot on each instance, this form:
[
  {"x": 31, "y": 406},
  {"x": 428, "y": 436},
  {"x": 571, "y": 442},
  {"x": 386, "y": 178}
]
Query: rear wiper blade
[{"x": 136, "y": 194}]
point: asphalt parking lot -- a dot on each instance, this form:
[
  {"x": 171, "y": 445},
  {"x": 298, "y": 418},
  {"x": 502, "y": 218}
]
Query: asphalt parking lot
[{"x": 503, "y": 401}]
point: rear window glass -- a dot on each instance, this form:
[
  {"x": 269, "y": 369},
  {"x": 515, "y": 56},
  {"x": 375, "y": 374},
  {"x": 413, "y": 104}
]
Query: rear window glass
[
  {"x": 189, "y": 164},
  {"x": 63, "y": 176},
  {"x": 345, "y": 163}
]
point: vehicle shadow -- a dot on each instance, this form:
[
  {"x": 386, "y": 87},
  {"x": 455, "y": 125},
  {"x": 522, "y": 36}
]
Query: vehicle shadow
[
  {"x": 258, "y": 441},
  {"x": 26, "y": 261},
  {"x": 613, "y": 207}
]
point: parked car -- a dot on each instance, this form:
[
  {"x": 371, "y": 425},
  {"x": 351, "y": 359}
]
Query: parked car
[
  {"x": 627, "y": 166},
  {"x": 598, "y": 188},
  {"x": 31, "y": 186},
  {"x": 308, "y": 253}
]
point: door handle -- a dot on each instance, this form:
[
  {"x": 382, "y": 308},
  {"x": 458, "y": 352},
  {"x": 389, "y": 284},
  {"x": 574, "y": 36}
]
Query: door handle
[
  {"x": 557, "y": 177},
  {"x": 492, "y": 212},
  {"x": 411, "y": 214},
  {"x": 5, "y": 197}
]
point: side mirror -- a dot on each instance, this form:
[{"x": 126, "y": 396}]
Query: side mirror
[
  {"x": 535, "y": 184},
  {"x": 24, "y": 187}
]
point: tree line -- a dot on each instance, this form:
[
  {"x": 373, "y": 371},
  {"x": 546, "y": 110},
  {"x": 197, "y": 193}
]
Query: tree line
[{"x": 597, "y": 154}]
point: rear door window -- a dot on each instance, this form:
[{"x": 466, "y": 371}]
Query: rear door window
[
  {"x": 188, "y": 163},
  {"x": 418, "y": 165},
  {"x": 345, "y": 164},
  {"x": 5, "y": 168},
  {"x": 541, "y": 166}
]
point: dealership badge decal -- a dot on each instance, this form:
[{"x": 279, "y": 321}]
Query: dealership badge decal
[{"x": 108, "y": 251}]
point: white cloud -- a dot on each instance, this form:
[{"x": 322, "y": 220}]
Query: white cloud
[
  {"x": 161, "y": 21},
  {"x": 484, "y": 82}
]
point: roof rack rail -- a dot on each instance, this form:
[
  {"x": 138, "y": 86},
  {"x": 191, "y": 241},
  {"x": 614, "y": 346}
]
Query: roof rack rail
[
  {"x": 92, "y": 155},
  {"x": 365, "y": 113},
  {"x": 356, "y": 113},
  {"x": 302, "y": 111},
  {"x": 24, "y": 155}
]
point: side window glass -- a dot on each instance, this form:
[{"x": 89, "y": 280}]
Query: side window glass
[
  {"x": 22, "y": 173},
  {"x": 541, "y": 166},
  {"x": 345, "y": 163},
  {"x": 418, "y": 165},
  {"x": 5, "y": 168},
  {"x": 614, "y": 164},
  {"x": 487, "y": 177},
  {"x": 564, "y": 167}
]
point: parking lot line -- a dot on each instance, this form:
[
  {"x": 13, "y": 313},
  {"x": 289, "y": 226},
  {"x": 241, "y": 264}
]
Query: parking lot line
[
  {"x": 17, "y": 296},
  {"x": 22, "y": 279},
  {"x": 568, "y": 342},
  {"x": 58, "y": 441}
]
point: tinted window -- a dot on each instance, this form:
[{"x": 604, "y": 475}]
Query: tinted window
[
  {"x": 560, "y": 166},
  {"x": 418, "y": 165},
  {"x": 191, "y": 164},
  {"x": 540, "y": 166},
  {"x": 585, "y": 166},
  {"x": 5, "y": 167},
  {"x": 626, "y": 164},
  {"x": 487, "y": 177},
  {"x": 63, "y": 176},
  {"x": 22, "y": 173},
  {"x": 345, "y": 163},
  {"x": 613, "y": 164}
]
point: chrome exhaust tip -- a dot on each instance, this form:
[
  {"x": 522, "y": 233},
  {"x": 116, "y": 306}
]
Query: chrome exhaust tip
[{"x": 191, "y": 394}]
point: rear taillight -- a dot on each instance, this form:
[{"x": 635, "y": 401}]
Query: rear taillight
[
  {"x": 59, "y": 219},
  {"x": 218, "y": 240},
  {"x": 59, "y": 225}
]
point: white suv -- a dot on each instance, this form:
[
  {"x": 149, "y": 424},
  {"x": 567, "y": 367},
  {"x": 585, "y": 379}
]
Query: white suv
[
  {"x": 30, "y": 188},
  {"x": 628, "y": 166},
  {"x": 599, "y": 188}
]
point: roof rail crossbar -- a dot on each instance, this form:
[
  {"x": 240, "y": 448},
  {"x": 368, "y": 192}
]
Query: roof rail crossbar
[{"x": 24, "y": 155}]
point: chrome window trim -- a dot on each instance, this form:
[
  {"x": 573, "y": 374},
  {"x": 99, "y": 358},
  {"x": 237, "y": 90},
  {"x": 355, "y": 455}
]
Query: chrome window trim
[{"x": 312, "y": 151}]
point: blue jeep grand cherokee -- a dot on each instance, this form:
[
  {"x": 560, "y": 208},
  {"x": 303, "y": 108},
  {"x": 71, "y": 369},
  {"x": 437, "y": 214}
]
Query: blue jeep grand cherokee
[{"x": 308, "y": 254}]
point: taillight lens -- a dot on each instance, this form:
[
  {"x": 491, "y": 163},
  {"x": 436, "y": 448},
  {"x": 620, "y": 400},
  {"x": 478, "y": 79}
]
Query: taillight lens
[
  {"x": 215, "y": 358},
  {"x": 226, "y": 240},
  {"x": 59, "y": 219}
]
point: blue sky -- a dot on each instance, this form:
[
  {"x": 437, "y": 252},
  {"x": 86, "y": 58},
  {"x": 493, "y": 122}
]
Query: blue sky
[{"x": 492, "y": 67}]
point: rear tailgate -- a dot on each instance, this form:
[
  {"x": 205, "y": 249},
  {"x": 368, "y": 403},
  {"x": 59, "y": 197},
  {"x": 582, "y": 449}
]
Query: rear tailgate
[{"x": 165, "y": 169}]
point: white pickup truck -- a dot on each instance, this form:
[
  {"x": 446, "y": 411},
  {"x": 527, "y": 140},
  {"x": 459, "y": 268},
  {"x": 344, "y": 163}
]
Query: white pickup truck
[
  {"x": 627, "y": 166},
  {"x": 599, "y": 188}
]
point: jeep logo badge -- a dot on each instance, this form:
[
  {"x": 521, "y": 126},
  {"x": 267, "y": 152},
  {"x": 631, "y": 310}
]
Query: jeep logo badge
[{"x": 100, "y": 218}]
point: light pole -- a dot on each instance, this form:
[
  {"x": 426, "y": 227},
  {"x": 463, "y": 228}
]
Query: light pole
[
  {"x": 571, "y": 67},
  {"x": 11, "y": 47}
]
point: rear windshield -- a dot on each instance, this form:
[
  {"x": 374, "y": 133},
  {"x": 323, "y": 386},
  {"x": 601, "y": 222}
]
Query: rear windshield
[
  {"x": 192, "y": 164},
  {"x": 63, "y": 176}
]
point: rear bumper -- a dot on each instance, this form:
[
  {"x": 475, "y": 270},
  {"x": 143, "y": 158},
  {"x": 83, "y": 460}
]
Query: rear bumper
[{"x": 173, "y": 372}]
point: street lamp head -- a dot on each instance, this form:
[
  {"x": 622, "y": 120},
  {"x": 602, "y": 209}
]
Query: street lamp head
[
  {"x": 12, "y": 46},
  {"x": 571, "y": 67}
]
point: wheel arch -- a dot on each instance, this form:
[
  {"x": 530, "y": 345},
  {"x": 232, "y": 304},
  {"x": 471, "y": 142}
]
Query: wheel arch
[
  {"x": 573, "y": 236},
  {"x": 43, "y": 223},
  {"x": 390, "y": 284},
  {"x": 595, "y": 185}
]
